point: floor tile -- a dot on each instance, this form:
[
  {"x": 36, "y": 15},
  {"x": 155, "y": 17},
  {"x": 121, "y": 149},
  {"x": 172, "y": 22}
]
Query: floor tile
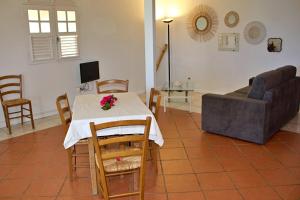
[
  {"x": 215, "y": 181},
  {"x": 80, "y": 187},
  {"x": 252, "y": 150},
  {"x": 13, "y": 187},
  {"x": 290, "y": 192},
  {"x": 206, "y": 165},
  {"x": 230, "y": 152},
  {"x": 200, "y": 152},
  {"x": 194, "y": 142},
  {"x": 222, "y": 195},
  {"x": 187, "y": 196},
  {"x": 173, "y": 154},
  {"x": 215, "y": 139},
  {"x": 177, "y": 167},
  {"x": 190, "y": 133},
  {"x": 295, "y": 171},
  {"x": 244, "y": 179},
  {"x": 153, "y": 197},
  {"x": 289, "y": 159},
  {"x": 259, "y": 193},
  {"x": 5, "y": 170},
  {"x": 155, "y": 184},
  {"x": 265, "y": 162},
  {"x": 37, "y": 198},
  {"x": 44, "y": 187},
  {"x": 182, "y": 183},
  {"x": 172, "y": 143},
  {"x": 279, "y": 177},
  {"x": 233, "y": 164}
]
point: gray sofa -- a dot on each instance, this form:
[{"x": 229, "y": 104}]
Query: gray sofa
[{"x": 254, "y": 113}]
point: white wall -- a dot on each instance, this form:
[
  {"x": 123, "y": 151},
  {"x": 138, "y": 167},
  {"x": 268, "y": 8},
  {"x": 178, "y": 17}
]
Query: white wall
[
  {"x": 219, "y": 71},
  {"x": 110, "y": 31}
]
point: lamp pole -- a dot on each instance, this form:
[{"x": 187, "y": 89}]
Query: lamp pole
[{"x": 168, "y": 21}]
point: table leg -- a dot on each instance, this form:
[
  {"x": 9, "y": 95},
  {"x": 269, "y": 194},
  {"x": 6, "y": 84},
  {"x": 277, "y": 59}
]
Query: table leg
[
  {"x": 165, "y": 98},
  {"x": 92, "y": 167},
  {"x": 190, "y": 103},
  {"x": 186, "y": 95}
]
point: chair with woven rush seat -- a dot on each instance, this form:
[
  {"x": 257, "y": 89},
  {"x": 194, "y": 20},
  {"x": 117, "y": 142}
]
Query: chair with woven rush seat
[
  {"x": 11, "y": 96},
  {"x": 112, "y": 86},
  {"x": 65, "y": 113},
  {"x": 122, "y": 160},
  {"x": 154, "y": 101},
  {"x": 154, "y": 105}
]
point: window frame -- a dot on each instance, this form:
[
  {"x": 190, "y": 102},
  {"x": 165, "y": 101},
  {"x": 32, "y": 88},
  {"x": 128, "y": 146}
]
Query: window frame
[
  {"x": 58, "y": 34},
  {"x": 54, "y": 34}
]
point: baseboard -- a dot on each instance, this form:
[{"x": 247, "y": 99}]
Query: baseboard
[{"x": 35, "y": 116}]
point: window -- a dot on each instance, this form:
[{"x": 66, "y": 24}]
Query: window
[
  {"x": 67, "y": 36},
  {"x": 41, "y": 40},
  {"x": 39, "y": 21},
  {"x": 52, "y": 37}
]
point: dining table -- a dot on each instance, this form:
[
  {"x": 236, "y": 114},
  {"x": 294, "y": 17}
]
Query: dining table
[{"x": 87, "y": 108}]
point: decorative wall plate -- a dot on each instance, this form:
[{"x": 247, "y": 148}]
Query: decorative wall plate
[
  {"x": 202, "y": 23},
  {"x": 231, "y": 19},
  {"x": 255, "y": 32}
]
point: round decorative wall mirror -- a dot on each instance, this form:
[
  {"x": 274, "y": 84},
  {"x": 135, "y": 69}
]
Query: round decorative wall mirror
[
  {"x": 231, "y": 19},
  {"x": 202, "y": 23}
]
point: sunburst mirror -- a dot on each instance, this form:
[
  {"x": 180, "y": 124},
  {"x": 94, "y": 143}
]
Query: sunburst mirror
[{"x": 202, "y": 23}]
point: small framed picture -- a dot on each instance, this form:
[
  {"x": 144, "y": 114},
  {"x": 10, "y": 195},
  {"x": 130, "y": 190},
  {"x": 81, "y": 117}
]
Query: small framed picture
[
  {"x": 274, "y": 44},
  {"x": 229, "y": 41}
]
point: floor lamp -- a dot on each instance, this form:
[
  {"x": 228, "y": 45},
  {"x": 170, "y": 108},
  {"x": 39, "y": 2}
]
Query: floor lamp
[{"x": 168, "y": 21}]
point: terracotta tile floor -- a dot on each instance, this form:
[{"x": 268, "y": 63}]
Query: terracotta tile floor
[{"x": 193, "y": 165}]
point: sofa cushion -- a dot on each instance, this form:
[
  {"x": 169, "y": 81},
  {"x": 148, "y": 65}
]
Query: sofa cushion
[
  {"x": 288, "y": 72},
  {"x": 264, "y": 82},
  {"x": 244, "y": 90}
]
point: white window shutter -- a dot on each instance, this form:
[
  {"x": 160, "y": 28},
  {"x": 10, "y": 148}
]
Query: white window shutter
[
  {"x": 42, "y": 48},
  {"x": 68, "y": 45}
]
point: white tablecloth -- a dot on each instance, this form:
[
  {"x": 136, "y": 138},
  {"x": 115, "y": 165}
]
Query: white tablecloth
[{"x": 87, "y": 109}]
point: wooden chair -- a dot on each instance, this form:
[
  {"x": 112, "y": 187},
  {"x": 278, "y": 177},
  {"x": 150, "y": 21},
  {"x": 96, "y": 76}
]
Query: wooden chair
[
  {"x": 65, "y": 113},
  {"x": 154, "y": 102},
  {"x": 154, "y": 105},
  {"x": 11, "y": 96},
  {"x": 112, "y": 86},
  {"x": 123, "y": 160}
]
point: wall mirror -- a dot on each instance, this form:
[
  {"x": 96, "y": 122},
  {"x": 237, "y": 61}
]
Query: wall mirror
[
  {"x": 231, "y": 19},
  {"x": 202, "y": 23}
]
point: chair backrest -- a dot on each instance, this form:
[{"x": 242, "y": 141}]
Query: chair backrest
[
  {"x": 10, "y": 85},
  {"x": 154, "y": 101},
  {"x": 141, "y": 150},
  {"x": 64, "y": 110},
  {"x": 112, "y": 86}
]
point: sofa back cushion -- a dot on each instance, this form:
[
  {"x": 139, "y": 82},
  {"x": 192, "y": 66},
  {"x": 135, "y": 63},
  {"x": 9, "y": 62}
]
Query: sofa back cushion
[
  {"x": 288, "y": 72},
  {"x": 264, "y": 82}
]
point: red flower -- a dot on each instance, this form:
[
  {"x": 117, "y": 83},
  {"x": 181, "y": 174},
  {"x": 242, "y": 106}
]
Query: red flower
[{"x": 107, "y": 102}]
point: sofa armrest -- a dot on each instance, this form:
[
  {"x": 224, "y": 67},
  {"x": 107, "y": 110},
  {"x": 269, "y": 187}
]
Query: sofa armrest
[
  {"x": 251, "y": 81},
  {"x": 233, "y": 116}
]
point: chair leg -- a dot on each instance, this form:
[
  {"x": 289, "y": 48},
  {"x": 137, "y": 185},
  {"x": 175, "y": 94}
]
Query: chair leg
[
  {"x": 22, "y": 115},
  {"x": 31, "y": 116},
  {"x": 70, "y": 162},
  {"x": 7, "y": 119},
  {"x": 5, "y": 111},
  {"x": 75, "y": 158},
  {"x": 153, "y": 151}
]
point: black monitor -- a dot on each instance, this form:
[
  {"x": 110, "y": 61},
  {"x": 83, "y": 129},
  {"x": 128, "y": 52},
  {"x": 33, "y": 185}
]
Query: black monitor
[{"x": 89, "y": 71}]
